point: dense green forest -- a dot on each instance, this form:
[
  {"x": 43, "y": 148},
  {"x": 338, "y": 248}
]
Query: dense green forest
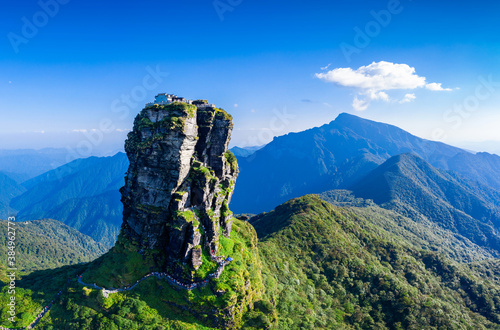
[
  {"x": 44, "y": 244},
  {"x": 421, "y": 232},
  {"x": 328, "y": 268},
  {"x": 319, "y": 266}
]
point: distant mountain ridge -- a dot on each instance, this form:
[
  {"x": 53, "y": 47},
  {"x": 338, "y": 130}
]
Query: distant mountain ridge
[
  {"x": 334, "y": 156},
  {"x": 339, "y": 154},
  {"x": 83, "y": 194},
  {"x": 482, "y": 167},
  {"x": 9, "y": 189},
  {"x": 410, "y": 186},
  {"x": 99, "y": 216},
  {"x": 245, "y": 151}
]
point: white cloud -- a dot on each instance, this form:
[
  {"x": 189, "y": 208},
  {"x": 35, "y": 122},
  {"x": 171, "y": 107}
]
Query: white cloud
[
  {"x": 360, "y": 105},
  {"x": 376, "y": 76},
  {"x": 437, "y": 87},
  {"x": 408, "y": 98},
  {"x": 326, "y": 67},
  {"x": 79, "y": 130},
  {"x": 379, "y": 96},
  {"x": 236, "y": 105},
  {"x": 373, "y": 80}
]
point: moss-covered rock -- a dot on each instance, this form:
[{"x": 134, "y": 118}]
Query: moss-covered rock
[{"x": 176, "y": 215}]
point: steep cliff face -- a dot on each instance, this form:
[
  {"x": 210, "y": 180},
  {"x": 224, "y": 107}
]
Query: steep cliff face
[
  {"x": 177, "y": 222},
  {"x": 180, "y": 180}
]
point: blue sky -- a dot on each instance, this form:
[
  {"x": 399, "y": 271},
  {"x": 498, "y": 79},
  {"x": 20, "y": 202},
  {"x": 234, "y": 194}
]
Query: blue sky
[{"x": 60, "y": 83}]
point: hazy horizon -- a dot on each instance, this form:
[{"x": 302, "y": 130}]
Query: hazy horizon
[{"x": 108, "y": 149}]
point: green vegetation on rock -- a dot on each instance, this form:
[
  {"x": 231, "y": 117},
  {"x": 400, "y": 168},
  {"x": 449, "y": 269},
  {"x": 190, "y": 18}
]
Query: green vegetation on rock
[
  {"x": 150, "y": 209},
  {"x": 175, "y": 121},
  {"x": 222, "y": 114},
  {"x": 201, "y": 174},
  {"x": 187, "y": 216},
  {"x": 231, "y": 159},
  {"x": 176, "y": 108},
  {"x": 172, "y": 123}
]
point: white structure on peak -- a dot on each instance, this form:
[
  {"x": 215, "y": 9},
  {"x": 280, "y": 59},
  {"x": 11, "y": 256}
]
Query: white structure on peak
[
  {"x": 164, "y": 98},
  {"x": 205, "y": 105}
]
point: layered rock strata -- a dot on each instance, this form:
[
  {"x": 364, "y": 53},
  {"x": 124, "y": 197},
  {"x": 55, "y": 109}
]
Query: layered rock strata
[{"x": 180, "y": 180}]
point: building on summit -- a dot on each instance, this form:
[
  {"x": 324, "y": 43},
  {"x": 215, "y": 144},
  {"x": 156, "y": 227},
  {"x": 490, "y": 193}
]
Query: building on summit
[{"x": 164, "y": 99}]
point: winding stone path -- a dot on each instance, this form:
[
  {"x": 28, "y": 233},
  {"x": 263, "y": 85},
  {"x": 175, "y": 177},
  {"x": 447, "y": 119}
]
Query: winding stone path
[{"x": 221, "y": 261}]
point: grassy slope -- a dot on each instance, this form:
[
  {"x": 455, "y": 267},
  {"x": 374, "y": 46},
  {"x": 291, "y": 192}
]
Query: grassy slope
[
  {"x": 325, "y": 267},
  {"x": 154, "y": 304}
]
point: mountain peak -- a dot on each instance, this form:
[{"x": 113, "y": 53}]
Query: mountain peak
[
  {"x": 349, "y": 116},
  {"x": 333, "y": 156},
  {"x": 356, "y": 123},
  {"x": 405, "y": 158}
]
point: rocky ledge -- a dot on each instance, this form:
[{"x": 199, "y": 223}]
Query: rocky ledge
[{"x": 180, "y": 180}]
